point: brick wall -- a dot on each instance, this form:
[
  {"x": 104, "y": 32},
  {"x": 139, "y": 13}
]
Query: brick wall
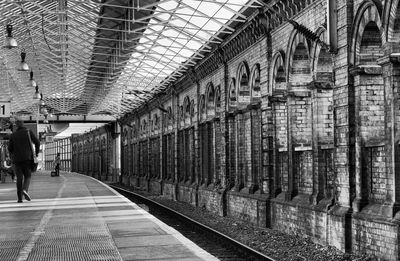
[
  {"x": 376, "y": 238},
  {"x": 319, "y": 147}
]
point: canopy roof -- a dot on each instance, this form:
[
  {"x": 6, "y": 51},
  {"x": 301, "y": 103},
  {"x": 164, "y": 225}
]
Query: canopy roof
[{"x": 111, "y": 56}]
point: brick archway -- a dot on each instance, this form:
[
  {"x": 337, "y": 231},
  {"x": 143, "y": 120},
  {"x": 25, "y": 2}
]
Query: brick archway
[
  {"x": 243, "y": 83},
  {"x": 232, "y": 94},
  {"x": 298, "y": 64},
  {"x": 368, "y": 15},
  {"x": 255, "y": 88},
  {"x": 322, "y": 63},
  {"x": 278, "y": 72},
  {"x": 390, "y": 19},
  {"x": 210, "y": 99}
]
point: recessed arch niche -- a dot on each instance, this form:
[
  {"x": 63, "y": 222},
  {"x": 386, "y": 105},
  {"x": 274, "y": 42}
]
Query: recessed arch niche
[
  {"x": 210, "y": 100},
  {"x": 255, "y": 83},
  {"x": 232, "y": 93},
  {"x": 278, "y": 74},
  {"x": 299, "y": 62},
  {"x": 243, "y": 76}
]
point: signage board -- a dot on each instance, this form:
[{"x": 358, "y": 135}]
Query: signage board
[{"x": 5, "y": 109}]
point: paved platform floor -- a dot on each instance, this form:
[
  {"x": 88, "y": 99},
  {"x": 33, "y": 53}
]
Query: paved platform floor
[{"x": 75, "y": 217}]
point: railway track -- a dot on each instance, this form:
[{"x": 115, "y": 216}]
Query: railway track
[{"x": 214, "y": 242}]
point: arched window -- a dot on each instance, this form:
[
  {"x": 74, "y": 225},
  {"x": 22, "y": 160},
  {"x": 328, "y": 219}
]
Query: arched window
[
  {"x": 243, "y": 82},
  {"x": 170, "y": 116},
  {"x": 156, "y": 121},
  {"x": 181, "y": 114},
  {"x": 255, "y": 83},
  {"x": 186, "y": 107},
  {"x": 125, "y": 137},
  {"x": 202, "y": 107},
  {"x": 278, "y": 73},
  {"x": 300, "y": 67},
  {"x": 192, "y": 113},
  {"x": 218, "y": 99},
  {"x": 210, "y": 100},
  {"x": 133, "y": 136},
  {"x": 232, "y": 94},
  {"x": 144, "y": 126},
  {"x": 371, "y": 45}
]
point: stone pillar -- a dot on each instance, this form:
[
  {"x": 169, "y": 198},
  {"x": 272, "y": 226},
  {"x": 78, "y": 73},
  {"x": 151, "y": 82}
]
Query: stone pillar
[
  {"x": 322, "y": 137},
  {"x": 255, "y": 175},
  {"x": 299, "y": 139},
  {"x": 269, "y": 180},
  {"x": 231, "y": 150},
  {"x": 391, "y": 74},
  {"x": 362, "y": 77},
  {"x": 279, "y": 130}
]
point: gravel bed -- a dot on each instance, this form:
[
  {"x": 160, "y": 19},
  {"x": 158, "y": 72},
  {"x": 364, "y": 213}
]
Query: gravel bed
[{"x": 273, "y": 243}]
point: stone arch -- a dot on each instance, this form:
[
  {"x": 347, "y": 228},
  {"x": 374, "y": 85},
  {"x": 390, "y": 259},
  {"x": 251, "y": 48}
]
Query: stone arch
[
  {"x": 278, "y": 73},
  {"x": 232, "y": 93},
  {"x": 156, "y": 122},
  {"x": 144, "y": 126},
  {"x": 243, "y": 83},
  {"x": 170, "y": 115},
  {"x": 218, "y": 104},
  {"x": 181, "y": 114},
  {"x": 299, "y": 66},
  {"x": 125, "y": 136},
  {"x": 192, "y": 111},
  {"x": 202, "y": 107},
  {"x": 210, "y": 102},
  {"x": 186, "y": 110},
  {"x": 255, "y": 82},
  {"x": 322, "y": 60},
  {"x": 390, "y": 19},
  {"x": 367, "y": 25},
  {"x": 133, "y": 132}
]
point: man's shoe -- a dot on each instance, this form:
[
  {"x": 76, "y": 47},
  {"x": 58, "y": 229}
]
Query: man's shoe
[
  {"x": 19, "y": 201},
  {"x": 26, "y": 195}
]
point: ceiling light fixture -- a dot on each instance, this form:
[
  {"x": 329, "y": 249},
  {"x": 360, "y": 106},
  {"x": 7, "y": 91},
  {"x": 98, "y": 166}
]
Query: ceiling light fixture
[
  {"x": 36, "y": 96},
  {"x": 32, "y": 81},
  {"x": 41, "y": 100},
  {"x": 23, "y": 66},
  {"x": 10, "y": 41},
  {"x": 44, "y": 111}
]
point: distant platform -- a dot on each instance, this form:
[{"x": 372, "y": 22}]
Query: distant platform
[{"x": 75, "y": 217}]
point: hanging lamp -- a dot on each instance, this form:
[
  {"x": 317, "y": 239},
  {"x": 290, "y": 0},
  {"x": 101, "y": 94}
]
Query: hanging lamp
[
  {"x": 36, "y": 96},
  {"x": 10, "y": 41},
  {"x": 41, "y": 100},
  {"x": 32, "y": 82},
  {"x": 44, "y": 111},
  {"x": 23, "y": 66}
]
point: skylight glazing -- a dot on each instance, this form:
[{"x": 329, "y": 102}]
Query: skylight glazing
[{"x": 91, "y": 57}]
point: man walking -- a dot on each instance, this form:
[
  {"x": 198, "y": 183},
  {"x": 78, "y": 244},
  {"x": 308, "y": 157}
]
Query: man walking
[{"x": 21, "y": 152}]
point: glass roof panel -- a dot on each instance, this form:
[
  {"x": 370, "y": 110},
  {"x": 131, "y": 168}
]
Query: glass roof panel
[{"x": 107, "y": 56}]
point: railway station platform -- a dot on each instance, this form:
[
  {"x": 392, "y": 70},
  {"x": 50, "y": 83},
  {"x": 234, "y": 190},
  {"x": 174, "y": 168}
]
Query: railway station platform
[{"x": 75, "y": 217}]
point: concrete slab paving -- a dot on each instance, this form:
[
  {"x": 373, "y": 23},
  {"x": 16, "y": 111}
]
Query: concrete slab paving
[{"x": 75, "y": 217}]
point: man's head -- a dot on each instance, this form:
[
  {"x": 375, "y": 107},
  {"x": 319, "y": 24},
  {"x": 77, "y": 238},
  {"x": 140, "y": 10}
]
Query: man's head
[{"x": 18, "y": 121}]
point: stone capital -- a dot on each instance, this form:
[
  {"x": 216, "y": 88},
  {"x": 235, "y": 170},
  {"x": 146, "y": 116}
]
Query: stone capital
[{"x": 366, "y": 69}]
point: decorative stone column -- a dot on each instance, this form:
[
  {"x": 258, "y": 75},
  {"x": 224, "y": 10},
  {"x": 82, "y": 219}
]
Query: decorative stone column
[
  {"x": 278, "y": 102},
  {"x": 391, "y": 75},
  {"x": 362, "y": 75},
  {"x": 322, "y": 138}
]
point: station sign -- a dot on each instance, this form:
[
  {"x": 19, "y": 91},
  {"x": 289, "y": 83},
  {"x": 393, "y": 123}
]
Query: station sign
[{"x": 5, "y": 109}]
